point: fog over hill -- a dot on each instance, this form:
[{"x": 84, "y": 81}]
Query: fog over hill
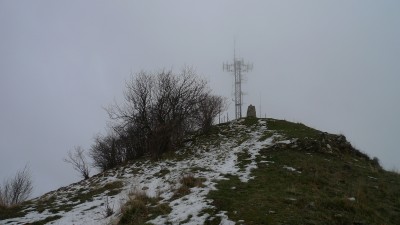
[{"x": 331, "y": 65}]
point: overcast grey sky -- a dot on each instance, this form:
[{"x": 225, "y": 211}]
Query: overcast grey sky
[{"x": 333, "y": 65}]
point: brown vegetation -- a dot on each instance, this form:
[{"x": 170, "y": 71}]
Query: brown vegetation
[
  {"x": 158, "y": 111},
  {"x": 17, "y": 189}
]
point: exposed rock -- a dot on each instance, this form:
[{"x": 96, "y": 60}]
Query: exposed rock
[{"x": 251, "y": 111}]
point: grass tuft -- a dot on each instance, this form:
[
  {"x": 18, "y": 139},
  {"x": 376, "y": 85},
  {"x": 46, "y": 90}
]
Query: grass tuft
[
  {"x": 13, "y": 211},
  {"x": 141, "y": 208},
  {"x": 187, "y": 182}
]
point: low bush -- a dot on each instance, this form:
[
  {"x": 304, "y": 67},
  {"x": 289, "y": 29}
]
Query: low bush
[
  {"x": 17, "y": 189},
  {"x": 140, "y": 208}
]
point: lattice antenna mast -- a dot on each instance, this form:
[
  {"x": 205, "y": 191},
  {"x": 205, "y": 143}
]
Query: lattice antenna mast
[{"x": 238, "y": 67}]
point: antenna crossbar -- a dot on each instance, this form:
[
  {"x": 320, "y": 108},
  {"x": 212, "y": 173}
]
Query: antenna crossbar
[{"x": 238, "y": 67}]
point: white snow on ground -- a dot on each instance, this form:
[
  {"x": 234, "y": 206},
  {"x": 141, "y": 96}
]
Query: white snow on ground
[
  {"x": 291, "y": 169},
  {"x": 284, "y": 142},
  {"x": 216, "y": 161}
]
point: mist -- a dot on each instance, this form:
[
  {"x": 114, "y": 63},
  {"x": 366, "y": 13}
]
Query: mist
[{"x": 330, "y": 65}]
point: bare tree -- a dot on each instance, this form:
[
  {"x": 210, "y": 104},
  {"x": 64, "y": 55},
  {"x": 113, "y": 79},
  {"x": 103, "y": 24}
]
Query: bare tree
[
  {"x": 209, "y": 110},
  {"x": 158, "y": 111},
  {"x": 78, "y": 161},
  {"x": 16, "y": 189},
  {"x": 108, "y": 151},
  {"x": 176, "y": 100},
  {"x": 161, "y": 106}
]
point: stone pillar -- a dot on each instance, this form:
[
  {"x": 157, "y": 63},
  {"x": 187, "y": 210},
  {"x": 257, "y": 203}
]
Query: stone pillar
[{"x": 251, "y": 111}]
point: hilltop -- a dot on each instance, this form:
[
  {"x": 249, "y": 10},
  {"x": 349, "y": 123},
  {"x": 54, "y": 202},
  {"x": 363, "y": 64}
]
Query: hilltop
[{"x": 249, "y": 171}]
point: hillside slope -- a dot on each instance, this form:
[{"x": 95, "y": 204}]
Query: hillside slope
[{"x": 251, "y": 171}]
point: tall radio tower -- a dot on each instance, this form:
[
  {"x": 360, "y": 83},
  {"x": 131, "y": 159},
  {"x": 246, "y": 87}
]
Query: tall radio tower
[{"x": 238, "y": 67}]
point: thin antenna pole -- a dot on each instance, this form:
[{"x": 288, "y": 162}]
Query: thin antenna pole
[
  {"x": 237, "y": 67},
  {"x": 260, "y": 106},
  {"x": 234, "y": 49}
]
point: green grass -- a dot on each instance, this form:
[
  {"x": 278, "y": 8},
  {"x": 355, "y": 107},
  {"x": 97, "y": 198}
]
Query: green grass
[
  {"x": 162, "y": 172},
  {"x": 243, "y": 158},
  {"x": 267, "y": 134},
  {"x": 318, "y": 195},
  {"x": 54, "y": 207},
  {"x": 292, "y": 130},
  {"x": 199, "y": 169},
  {"x": 46, "y": 203},
  {"x": 242, "y": 139},
  {"x": 112, "y": 188},
  {"x": 13, "y": 211},
  {"x": 250, "y": 121}
]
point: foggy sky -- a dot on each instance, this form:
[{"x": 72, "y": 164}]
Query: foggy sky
[{"x": 332, "y": 65}]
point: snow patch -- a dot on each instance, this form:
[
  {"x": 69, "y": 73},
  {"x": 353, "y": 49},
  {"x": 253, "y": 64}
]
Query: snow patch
[
  {"x": 215, "y": 162},
  {"x": 291, "y": 169}
]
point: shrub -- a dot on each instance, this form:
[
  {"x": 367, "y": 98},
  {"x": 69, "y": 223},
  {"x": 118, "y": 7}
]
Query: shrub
[
  {"x": 159, "y": 110},
  {"x": 141, "y": 208},
  {"x": 78, "y": 161},
  {"x": 376, "y": 163},
  {"x": 107, "y": 152},
  {"x": 209, "y": 110},
  {"x": 17, "y": 189}
]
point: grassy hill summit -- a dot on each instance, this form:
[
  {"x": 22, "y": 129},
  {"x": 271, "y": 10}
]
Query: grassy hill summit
[{"x": 249, "y": 171}]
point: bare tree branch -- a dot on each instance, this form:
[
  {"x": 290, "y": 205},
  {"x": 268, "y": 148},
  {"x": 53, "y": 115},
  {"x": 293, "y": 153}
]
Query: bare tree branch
[
  {"x": 78, "y": 161},
  {"x": 159, "y": 109},
  {"x": 209, "y": 110},
  {"x": 17, "y": 189}
]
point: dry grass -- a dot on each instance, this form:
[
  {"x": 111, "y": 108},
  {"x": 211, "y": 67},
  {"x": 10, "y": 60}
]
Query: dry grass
[
  {"x": 140, "y": 208},
  {"x": 187, "y": 182}
]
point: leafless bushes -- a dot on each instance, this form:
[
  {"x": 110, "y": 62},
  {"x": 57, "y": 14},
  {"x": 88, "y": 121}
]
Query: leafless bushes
[
  {"x": 17, "y": 189},
  {"x": 158, "y": 111},
  {"x": 78, "y": 161},
  {"x": 208, "y": 110},
  {"x": 108, "y": 151}
]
